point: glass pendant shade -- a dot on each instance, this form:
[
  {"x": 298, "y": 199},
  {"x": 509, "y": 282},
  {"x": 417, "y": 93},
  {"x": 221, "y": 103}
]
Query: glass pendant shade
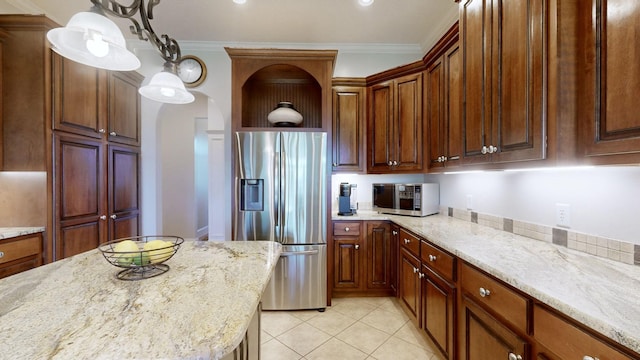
[
  {"x": 166, "y": 87},
  {"x": 94, "y": 40}
]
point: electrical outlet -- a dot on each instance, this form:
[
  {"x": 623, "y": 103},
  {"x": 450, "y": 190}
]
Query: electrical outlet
[
  {"x": 563, "y": 215},
  {"x": 469, "y": 202}
]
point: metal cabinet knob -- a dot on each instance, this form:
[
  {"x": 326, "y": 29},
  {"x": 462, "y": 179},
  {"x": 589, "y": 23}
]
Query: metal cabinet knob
[
  {"x": 421, "y": 275},
  {"x": 484, "y": 292},
  {"x": 113, "y": 133},
  {"x": 484, "y": 150},
  {"x": 390, "y": 163},
  {"x": 114, "y": 216},
  {"x": 493, "y": 149},
  {"x": 347, "y": 229},
  {"x": 587, "y": 357},
  {"x": 103, "y": 217},
  {"x": 357, "y": 247},
  {"x": 394, "y": 232},
  {"x": 1, "y": 254},
  {"x": 406, "y": 241},
  {"x": 415, "y": 270},
  {"x": 335, "y": 164},
  {"x": 102, "y": 131},
  {"x": 432, "y": 258},
  {"x": 395, "y": 163},
  {"x": 513, "y": 356}
]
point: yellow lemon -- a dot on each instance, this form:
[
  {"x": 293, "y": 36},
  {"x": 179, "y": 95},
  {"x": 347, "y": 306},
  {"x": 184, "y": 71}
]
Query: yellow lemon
[
  {"x": 159, "y": 250},
  {"x": 126, "y": 251}
]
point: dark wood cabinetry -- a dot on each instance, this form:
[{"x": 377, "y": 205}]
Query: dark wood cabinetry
[
  {"x": 349, "y": 119},
  {"x": 608, "y": 82},
  {"x": 20, "y": 253},
  {"x": 443, "y": 102},
  {"x": 394, "y": 140},
  {"x": 409, "y": 275},
  {"x": 362, "y": 262},
  {"x": 504, "y": 77}
]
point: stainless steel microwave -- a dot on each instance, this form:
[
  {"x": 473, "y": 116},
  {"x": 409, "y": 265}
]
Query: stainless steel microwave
[{"x": 406, "y": 199}]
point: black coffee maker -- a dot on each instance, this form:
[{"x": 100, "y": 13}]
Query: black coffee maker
[{"x": 344, "y": 200}]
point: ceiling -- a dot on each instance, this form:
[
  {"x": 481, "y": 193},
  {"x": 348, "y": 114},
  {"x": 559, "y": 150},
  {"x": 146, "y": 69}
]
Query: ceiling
[{"x": 386, "y": 22}]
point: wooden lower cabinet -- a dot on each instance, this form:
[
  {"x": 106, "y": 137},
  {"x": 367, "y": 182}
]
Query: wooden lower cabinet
[
  {"x": 438, "y": 311},
  {"x": 362, "y": 260},
  {"x": 409, "y": 284},
  {"x": 483, "y": 337},
  {"x": 20, "y": 253}
]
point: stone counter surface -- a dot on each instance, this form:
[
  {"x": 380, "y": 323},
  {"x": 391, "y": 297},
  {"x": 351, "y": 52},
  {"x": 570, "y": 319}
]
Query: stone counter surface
[
  {"x": 10, "y": 232},
  {"x": 600, "y": 293},
  {"x": 77, "y": 309}
]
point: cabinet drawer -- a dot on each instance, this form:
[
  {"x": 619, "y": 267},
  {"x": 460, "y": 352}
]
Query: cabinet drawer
[
  {"x": 13, "y": 249},
  {"x": 437, "y": 260},
  {"x": 410, "y": 242},
  {"x": 495, "y": 296},
  {"x": 567, "y": 341},
  {"x": 346, "y": 228}
]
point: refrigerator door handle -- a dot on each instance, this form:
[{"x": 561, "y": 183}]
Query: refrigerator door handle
[{"x": 294, "y": 253}]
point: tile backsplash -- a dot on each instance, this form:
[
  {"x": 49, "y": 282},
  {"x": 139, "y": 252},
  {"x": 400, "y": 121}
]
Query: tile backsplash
[{"x": 612, "y": 249}]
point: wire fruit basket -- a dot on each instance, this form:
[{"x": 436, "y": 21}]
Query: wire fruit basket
[{"x": 141, "y": 257}]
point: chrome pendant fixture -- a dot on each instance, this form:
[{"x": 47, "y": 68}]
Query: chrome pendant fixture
[{"x": 91, "y": 38}]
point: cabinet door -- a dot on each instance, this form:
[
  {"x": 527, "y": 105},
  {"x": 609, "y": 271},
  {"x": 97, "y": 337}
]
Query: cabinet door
[
  {"x": 124, "y": 191},
  {"x": 395, "y": 248},
  {"x": 380, "y": 127},
  {"x": 482, "y": 337},
  {"x": 346, "y": 272},
  {"x": 408, "y": 124},
  {"x": 409, "y": 284},
  {"x": 610, "y": 82},
  {"x": 348, "y": 128},
  {"x": 518, "y": 76},
  {"x": 378, "y": 244},
  {"x": 435, "y": 114},
  {"x": 80, "y": 193},
  {"x": 79, "y": 98},
  {"x": 124, "y": 108},
  {"x": 438, "y": 309},
  {"x": 476, "y": 78}
]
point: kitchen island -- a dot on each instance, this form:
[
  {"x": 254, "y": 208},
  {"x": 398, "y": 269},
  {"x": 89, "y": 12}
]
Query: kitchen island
[{"x": 76, "y": 308}]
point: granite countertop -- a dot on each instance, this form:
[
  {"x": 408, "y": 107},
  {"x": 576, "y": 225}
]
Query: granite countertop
[
  {"x": 9, "y": 232},
  {"x": 600, "y": 293},
  {"x": 76, "y": 308}
]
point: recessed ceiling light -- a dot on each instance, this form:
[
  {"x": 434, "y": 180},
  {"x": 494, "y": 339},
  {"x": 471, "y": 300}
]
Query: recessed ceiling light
[
  {"x": 239, "y": 1},
  {"x": 365, "y": 2}
]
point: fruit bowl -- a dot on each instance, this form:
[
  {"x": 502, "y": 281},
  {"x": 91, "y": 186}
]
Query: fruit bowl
[{"x": 141, "y": 257}]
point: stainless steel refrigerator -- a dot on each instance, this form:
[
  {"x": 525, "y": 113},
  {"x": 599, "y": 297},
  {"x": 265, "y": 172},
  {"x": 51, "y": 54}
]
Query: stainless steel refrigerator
[{"x": 281, "y": 196}]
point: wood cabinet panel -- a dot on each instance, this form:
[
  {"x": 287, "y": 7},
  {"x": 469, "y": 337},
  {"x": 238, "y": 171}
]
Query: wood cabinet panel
[
  {"x": 349, "y": 116},
  {"x": 438, "y": 311},
  {"x": 124, "y": 108},
  {"x": 20, "y": 253},
  {"x": 409, "y": 284},
  {"x": 77, "y": 238},
  {"x": 346, "y": 228},
  {"x": 408, "y": 124},
  {"x": 378, "y": 244},
  {"x": 124, "y": 191},
  {"x": 410, "y": 242},
  {"x": 380, "y": 126},
  {"x": 347, "y": 260},
  {"x": 439, "y": 261}
]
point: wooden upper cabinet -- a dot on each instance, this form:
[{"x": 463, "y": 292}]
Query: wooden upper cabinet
[
  {"x": 78, "y": 98},
  {"x": 124, "y": 108},
  {"x": 608, "y": 105},
  {"x": 443, "y": 102},
  {"x": 349, "y": 106},
  {"x": 394, "y": 140},
  {"x": 504, "y": 76}
]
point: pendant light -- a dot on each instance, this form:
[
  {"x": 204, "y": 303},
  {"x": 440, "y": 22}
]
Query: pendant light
[{"x": 92, "y": 39}]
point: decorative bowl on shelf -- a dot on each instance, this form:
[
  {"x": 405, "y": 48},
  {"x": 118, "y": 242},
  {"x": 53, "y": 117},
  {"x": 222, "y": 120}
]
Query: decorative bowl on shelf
[
  {"x": 284, "y": 115},
  {"x": 141, "y": 257}
]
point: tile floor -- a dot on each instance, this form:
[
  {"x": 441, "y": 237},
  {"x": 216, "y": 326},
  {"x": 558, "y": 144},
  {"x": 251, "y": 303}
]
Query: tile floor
[{"x": 352, "y": 328}]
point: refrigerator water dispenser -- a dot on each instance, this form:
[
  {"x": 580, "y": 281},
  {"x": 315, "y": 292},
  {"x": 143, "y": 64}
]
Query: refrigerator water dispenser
[{"x": 252, "y": 194}]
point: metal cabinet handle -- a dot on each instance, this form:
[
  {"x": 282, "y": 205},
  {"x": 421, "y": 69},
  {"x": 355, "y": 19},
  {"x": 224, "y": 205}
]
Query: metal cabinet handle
[
  {"x": 103, "y": 217},
  {"x": 357, "y": 247},
  {"x": 395, "y": 163},
  {"x": 347, "y": 229},
  {"x": 484, "y": 292},
  {"x": 390, "y": 163},
  {"x": 493, "y": 149},
  {"x": 394, "y": 232},
  {"x": 432, "y": 258},
  {"x": 484, "y": 150},
  {"x": 113, "y": 133},
  {"x": 455, "y": 157},
  {"x": 587, "y": 357},
  {"x": 114, "y": 216},
  {"x": 1, "y": 254},
  {"x": 406, "y": 241},
  {"x": 421, "y": 275},
  {"x": 415, "y": 270},
  {"x": 102, "y": 131},
  {"x": 513, "y": 356}
]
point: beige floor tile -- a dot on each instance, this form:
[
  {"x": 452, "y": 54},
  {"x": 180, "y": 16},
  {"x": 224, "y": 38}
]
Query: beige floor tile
[
  {"x": 275, "y": 350},
  {"x": 278, "y": 322},
  {"x": 264, "y": 336},
  {"x": 396, "y": 349},
  {"x": 384, "y": 320},
  {"x": 303, "y": 338},
  {"x": 305, "y": 315},
  {"x": 354, "y": 309},
  {"x": 393, "y": 306},
  {"x": 411, "y": 334},
  {"x": 335, "y": 349},
  {"x": 332, "y": 322},
  {"x": 363, "y": 337}
]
